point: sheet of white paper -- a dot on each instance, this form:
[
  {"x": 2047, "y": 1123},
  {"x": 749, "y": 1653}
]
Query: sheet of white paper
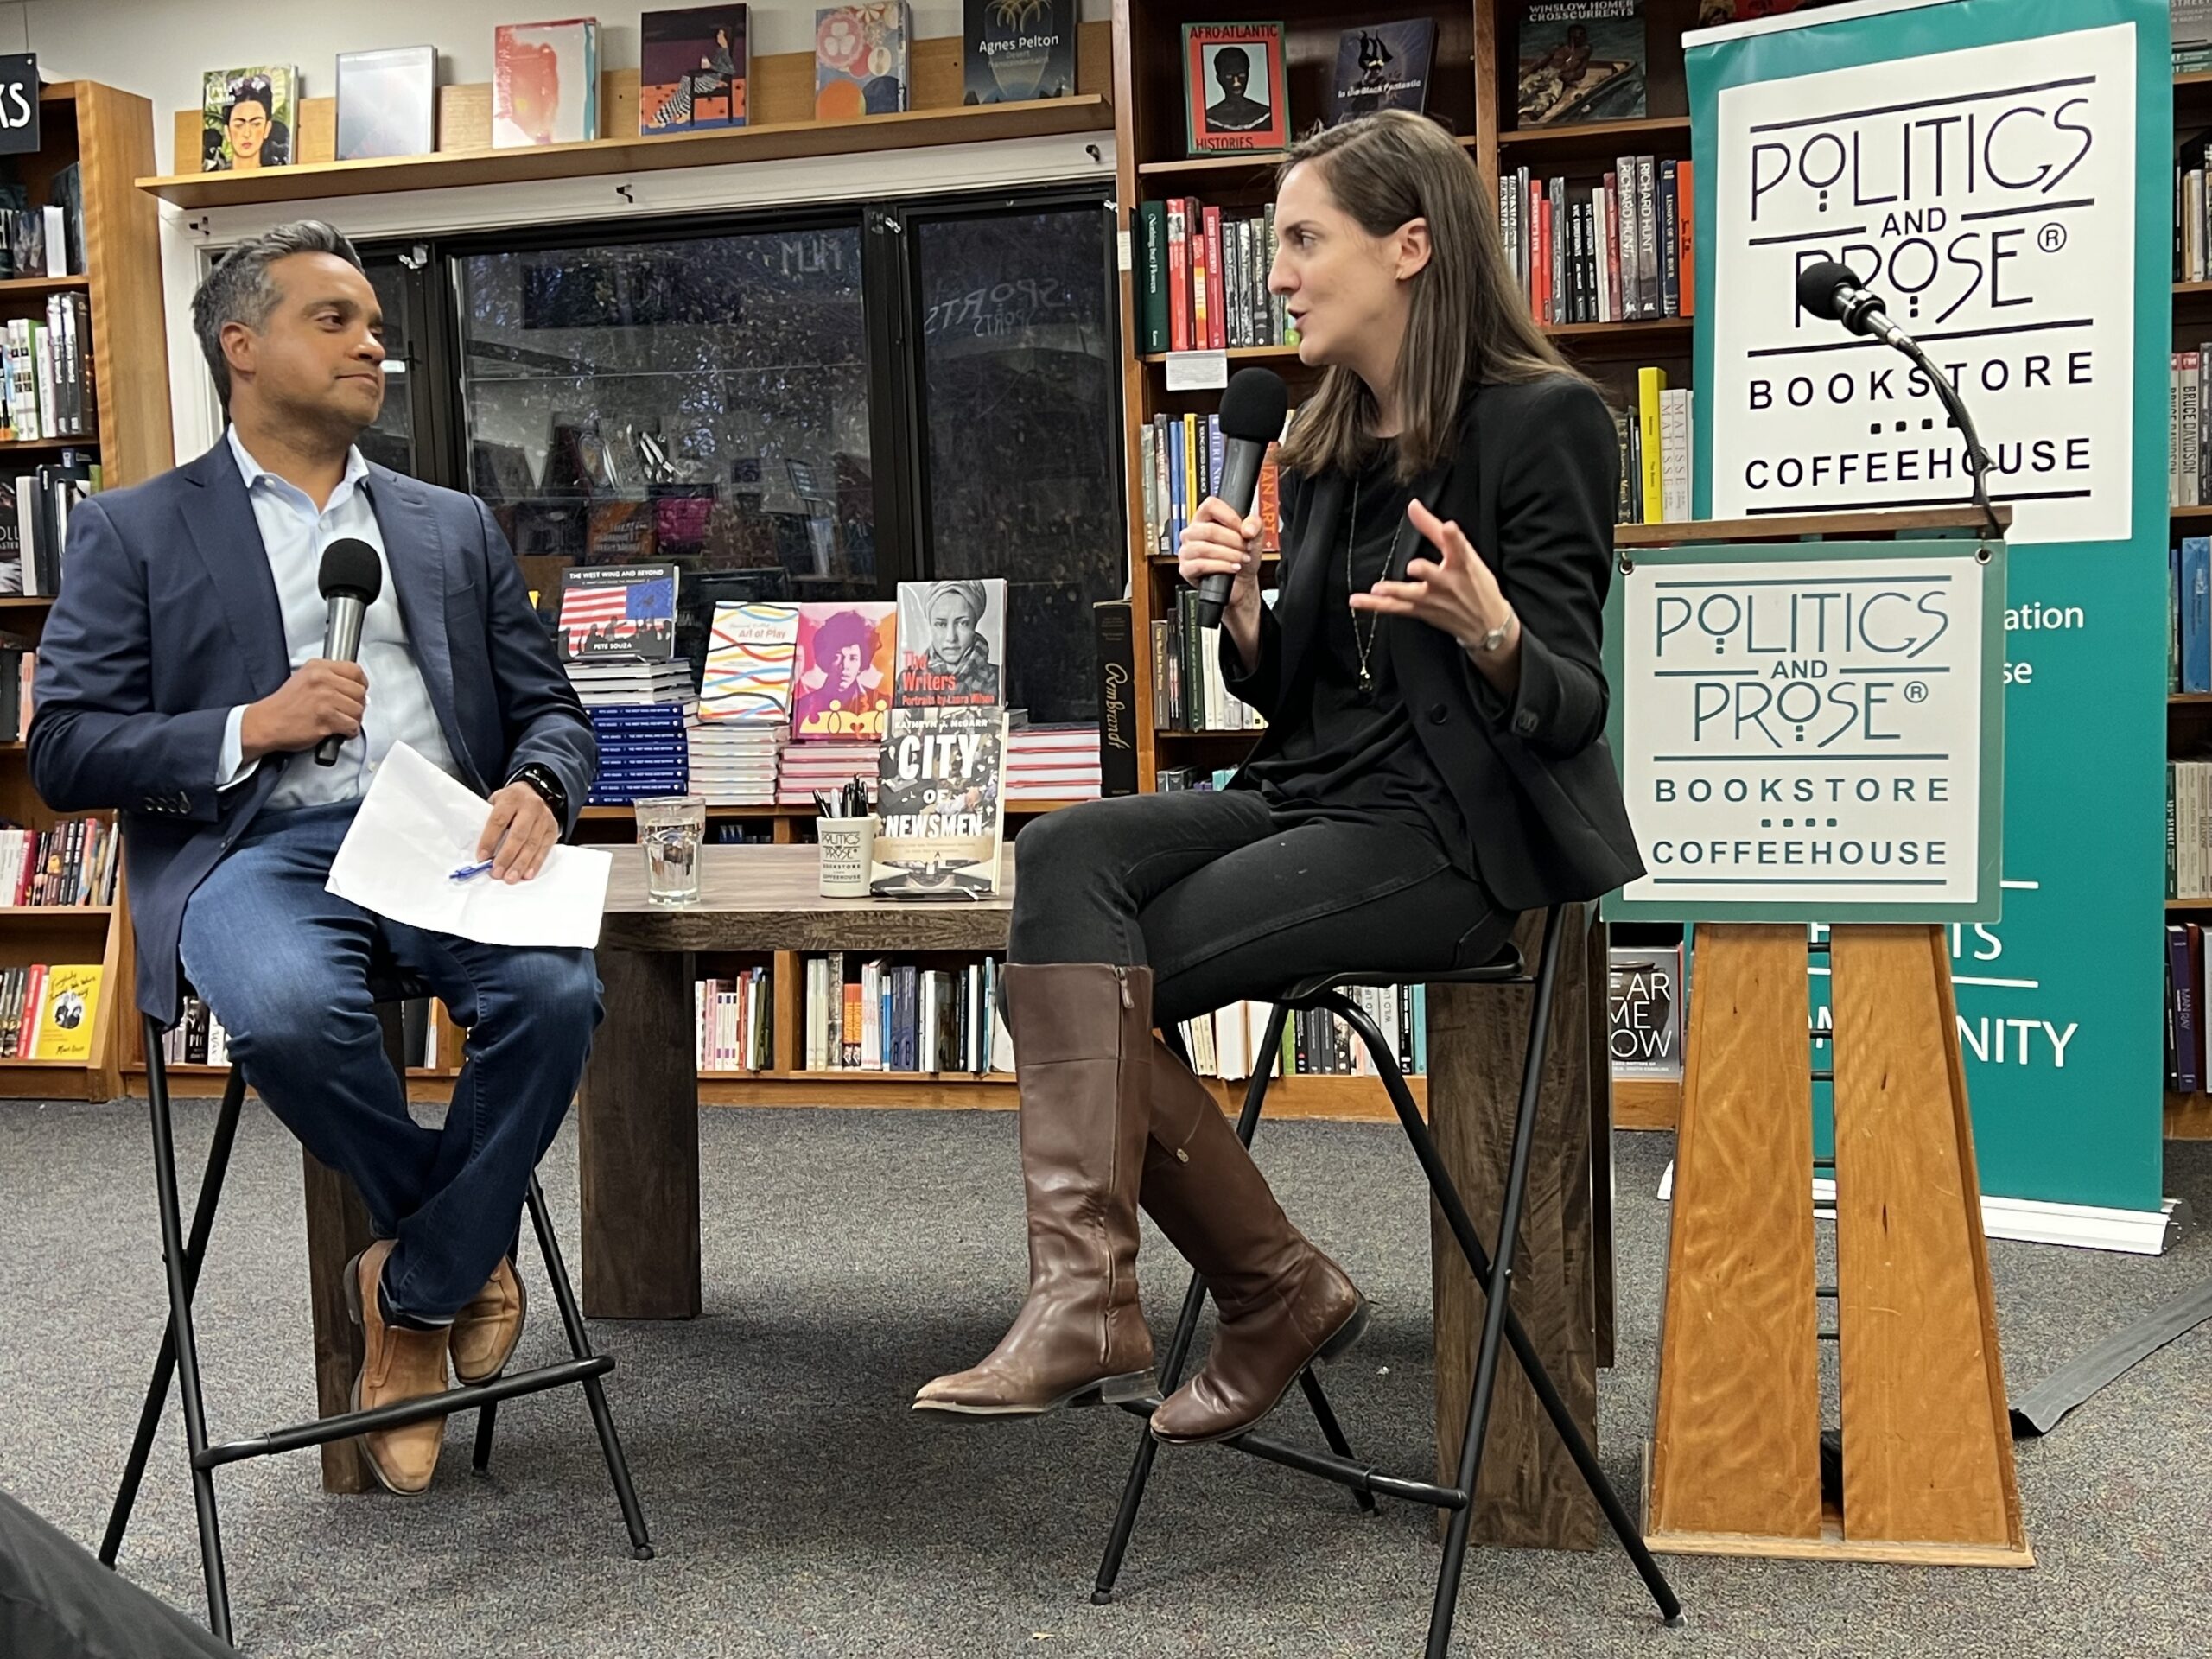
[{"x": 415, "y": 826}]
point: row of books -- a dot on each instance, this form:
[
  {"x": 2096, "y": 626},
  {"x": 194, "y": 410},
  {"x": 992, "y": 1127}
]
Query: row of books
[
  {"x": 1167, "y": 779},
  {"x": 1315, "y": 1043},
  {"x": 2185, "y": 1008},
  {"x": 18, "y": 670},
  {"x": 72, "y": 863},
  {"x": 2189, "y": 616},
  {"x": 2189, "y": 829},
  {"x": 877, "y": 1015},
  {"x": 2192, "y": 36},
  {"x": 46, "y": 1011},
  {"x": 1202, "y": 282},
  {"x": 1656, "y": 439},
  {"x": 2189, "y": 438},
  {"x": 1621, "y": 251},
  {"x": 733, "y": 1020},
  {"x": 47, "y": 391},
  {"x": 35, "y": 508},
  {"x": 1188, "y": 691},
  {"x": 1179, "y": 465},
  {"x": 198, "y": 1037}
]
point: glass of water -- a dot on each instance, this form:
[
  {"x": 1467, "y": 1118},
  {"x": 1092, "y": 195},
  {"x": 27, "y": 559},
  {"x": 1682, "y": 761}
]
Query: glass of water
[{"x": 670, "y": 828}]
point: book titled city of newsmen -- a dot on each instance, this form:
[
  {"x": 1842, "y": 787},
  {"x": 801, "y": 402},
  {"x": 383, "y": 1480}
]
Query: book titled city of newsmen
[{"x": 937, "y": 798}]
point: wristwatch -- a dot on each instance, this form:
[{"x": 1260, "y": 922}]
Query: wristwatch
[
  {"x": 1485, "y": 644},
  {"x": 548, "y": 786}
]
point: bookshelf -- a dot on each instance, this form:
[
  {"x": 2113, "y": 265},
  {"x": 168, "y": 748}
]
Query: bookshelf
[
  {"x": 110, "y": 136},
  {"x": 2188, "y": 714}
]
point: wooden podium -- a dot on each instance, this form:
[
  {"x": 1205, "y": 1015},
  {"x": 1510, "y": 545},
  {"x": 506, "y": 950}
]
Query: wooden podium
[{"x": 1922, "y": 1468}]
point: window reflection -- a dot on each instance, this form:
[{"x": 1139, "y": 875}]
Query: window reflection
[
  {"x": 1022, "y": 400},
  {"x": 391, "y": 441},
  {"x": 704, "y": 401}
]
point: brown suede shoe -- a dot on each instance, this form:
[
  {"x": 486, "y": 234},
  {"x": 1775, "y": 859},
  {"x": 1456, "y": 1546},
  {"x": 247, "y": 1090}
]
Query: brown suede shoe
[
  {"x": 396, "y": 1364},
  {"x": 486, "y": 1332}
]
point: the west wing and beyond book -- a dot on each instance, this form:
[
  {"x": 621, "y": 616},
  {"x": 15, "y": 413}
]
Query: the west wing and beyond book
[
  {"x": 1581, "y": 60},
  {"x": 1017, "y": 49},
  {"x": 1385, "y": 66},
  {"x": 387, "y": 102},
  {"x": 859, "y": 60},
  {"x": 618, "y": 611},
  {"x": 951, "y": 644},
  {"x": 1233, "y": 94},
  {"x": 847, "y": 655},
  {"x": 1643, "y": 997},
  {"x": 247, "y": 118},
  {"x": 937, "y": 799},
  {"x": 692, "y": 65},
  {"x": 544, "y": 83},
  {"x": 752, "y": 655}
]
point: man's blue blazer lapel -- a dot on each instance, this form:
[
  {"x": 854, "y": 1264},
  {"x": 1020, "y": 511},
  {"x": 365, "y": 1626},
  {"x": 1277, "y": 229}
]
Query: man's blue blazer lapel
[
  {"x": 218, "y": 522},
  {"x": 414, "y": 551}
]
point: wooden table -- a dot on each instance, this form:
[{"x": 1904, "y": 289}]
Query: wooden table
[{"x": 637, "y": 1147}]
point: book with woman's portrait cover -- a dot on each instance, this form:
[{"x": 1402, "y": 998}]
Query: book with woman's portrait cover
[
  {"x": 247, "y": 118},
  {"x": 951, "y": 644}
]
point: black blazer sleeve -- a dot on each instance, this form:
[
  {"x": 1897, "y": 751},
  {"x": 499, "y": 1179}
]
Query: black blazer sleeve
[{"x": 1553, "y": 559}]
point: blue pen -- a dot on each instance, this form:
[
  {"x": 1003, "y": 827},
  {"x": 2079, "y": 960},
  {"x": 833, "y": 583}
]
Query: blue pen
[{"x": 469, "y": 871}]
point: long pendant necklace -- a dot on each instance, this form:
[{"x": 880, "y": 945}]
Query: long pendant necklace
[{"x": 1364, "y": 644}]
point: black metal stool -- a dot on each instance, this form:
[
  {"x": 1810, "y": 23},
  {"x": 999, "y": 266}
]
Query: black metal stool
[
  {"x": 182, "y": 1259},
  {"x": 1327, "y": 991}
]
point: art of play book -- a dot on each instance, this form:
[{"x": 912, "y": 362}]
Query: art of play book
[
  {"x": 752, "y": 655},
  {"x": 691, "y": 72},
  {"x": 247, "y": 118},
  {"x": 951, "y": 644},
  {"x": 848, "y": 653},
  {"x": 618, "y": 611},
  {"x": 1012, "y": 50},
  {"x": 544, "y": 83},
  {"x": 937, "y": 787},
  {"x": 1581, "y": 60}
]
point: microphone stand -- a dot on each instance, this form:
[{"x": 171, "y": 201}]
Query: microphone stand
[{"x": 1861, "y": 320}]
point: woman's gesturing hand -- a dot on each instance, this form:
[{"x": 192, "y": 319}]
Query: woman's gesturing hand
[
  {"x": 1215, "y": 543},
  {"x": 1454, "y": 591}
]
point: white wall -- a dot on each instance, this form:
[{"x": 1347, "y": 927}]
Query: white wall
[{"x": 160, "y": 48}]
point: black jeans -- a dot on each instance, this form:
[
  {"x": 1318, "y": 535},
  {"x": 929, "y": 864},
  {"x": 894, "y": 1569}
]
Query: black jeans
[{"x": 1224, "y": 898}]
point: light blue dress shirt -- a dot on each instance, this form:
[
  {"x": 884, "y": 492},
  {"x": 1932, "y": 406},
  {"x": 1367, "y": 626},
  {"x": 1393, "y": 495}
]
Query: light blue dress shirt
[{"x": 294, "y": 535}]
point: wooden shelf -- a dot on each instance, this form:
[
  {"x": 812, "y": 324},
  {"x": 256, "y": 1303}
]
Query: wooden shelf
[
  {"x": 1358, "y": 1099},
  {"x": 101, "y": 911},
  {"x": 602, "y": 157},
  {"x": 1614, "y": 133},
  {"x": 2188, "y": 1117},
  {"x": 1234, "y": 352},
  {"x": 41, "y": 284},
  {"x": 1645, "y": 328},
  {"x": 2196, "y": 81},
  {"x": 1212, "y": 731},
  {"x": 1210, "y": 165},
  {"x": 2189, "y": 512},
  {"x": 1590, "y": 147},
  {"x": 2191, "y": 291},
  {"x": 2189, "y": 699},
  {"x": 2184, "y": 906},
  {"x": 20, "y": 444}
]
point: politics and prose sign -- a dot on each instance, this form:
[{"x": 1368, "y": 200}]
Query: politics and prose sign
[
  {"x": 1814, "y": 733},
  {"x": 1987, "y": 194}
]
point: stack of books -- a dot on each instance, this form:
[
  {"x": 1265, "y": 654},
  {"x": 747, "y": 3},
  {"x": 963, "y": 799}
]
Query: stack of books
[
  {"x": 806, "y": 767},
  {"x": 617, "y": 633},
  {"x": 731, "y": 1021},
  {"x": 1053, "y": 763},
  {"x": 732, "y": 764},
  {"x": 1619, "y": 251}
]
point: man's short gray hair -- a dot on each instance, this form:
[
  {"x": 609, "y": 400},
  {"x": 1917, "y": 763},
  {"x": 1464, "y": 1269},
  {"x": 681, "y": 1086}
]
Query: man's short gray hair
[{"x": 238, "y": 288}]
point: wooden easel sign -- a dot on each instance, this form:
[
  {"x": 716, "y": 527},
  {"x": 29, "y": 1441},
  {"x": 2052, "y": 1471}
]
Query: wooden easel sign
[{"x": 1810, "y": 731}]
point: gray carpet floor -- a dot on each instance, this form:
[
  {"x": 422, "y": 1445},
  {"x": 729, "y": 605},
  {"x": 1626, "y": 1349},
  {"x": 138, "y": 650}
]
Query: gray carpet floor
[{"x": 799, "y": 1508}]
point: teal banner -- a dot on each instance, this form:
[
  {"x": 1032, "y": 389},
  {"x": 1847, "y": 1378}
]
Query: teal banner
[{"x": 1999, "y": 171}]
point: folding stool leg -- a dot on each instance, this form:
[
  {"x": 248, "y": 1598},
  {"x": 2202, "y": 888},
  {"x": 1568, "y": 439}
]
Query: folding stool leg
[
  {"x": 487, "y": 1417},
  {"x": 188, "y": 1352},
  {"x": 195, "y": 1251},
  {"x": 610, "y": 1444}
]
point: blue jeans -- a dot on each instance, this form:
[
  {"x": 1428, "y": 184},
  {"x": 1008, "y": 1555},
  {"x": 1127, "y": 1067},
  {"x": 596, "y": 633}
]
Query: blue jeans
[{"x": 284, "y": 965}]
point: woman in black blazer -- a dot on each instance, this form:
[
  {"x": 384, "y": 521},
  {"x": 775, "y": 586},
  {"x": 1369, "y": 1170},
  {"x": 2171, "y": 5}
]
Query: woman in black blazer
[{"x": 1434, "y": 762}]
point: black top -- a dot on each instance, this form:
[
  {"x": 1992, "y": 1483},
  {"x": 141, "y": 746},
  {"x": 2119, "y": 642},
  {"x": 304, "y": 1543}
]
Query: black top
[
  {"x": 1531, "y": 479},
  {"x": 1344, "y": 751}
]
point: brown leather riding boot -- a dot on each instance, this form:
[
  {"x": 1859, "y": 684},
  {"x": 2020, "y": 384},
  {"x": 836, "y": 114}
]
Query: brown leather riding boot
[
  {"x": 1282, "y": 1303},
  {"x": 397, "y": 1363},
  {"x": 1082, "y": 1046}
]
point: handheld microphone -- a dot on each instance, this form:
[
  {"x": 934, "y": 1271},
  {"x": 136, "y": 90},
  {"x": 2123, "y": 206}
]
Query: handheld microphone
[
  {"x": 1252, "y": 409},
  {"x": 351, "y": 579},
  {"x": 1833, "y": 291}
]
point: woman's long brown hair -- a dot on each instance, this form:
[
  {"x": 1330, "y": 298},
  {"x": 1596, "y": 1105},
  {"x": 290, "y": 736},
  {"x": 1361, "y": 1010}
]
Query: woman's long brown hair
[{"x": 1469, "y": 324}]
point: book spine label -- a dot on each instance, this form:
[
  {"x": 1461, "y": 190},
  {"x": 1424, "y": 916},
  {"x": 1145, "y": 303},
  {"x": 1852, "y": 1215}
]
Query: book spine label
[{"x": 1151, "y": 241}]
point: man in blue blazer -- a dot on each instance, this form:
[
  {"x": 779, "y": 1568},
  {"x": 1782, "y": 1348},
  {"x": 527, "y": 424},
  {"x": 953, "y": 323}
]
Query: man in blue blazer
[{"x": 180, "y": 682}]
